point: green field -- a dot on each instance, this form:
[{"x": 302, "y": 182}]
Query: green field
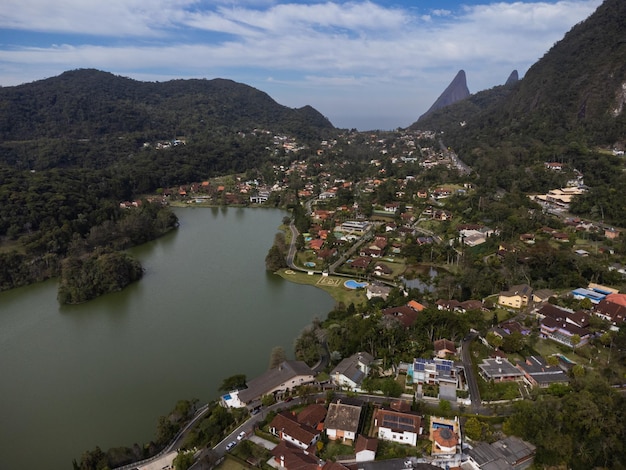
[{"x": 331, "y": 284}]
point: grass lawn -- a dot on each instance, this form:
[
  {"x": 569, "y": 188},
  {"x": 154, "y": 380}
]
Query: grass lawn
[
  {"x": 335, "y": 448},
  {"x": 548, "y": 348},
  {"x": 493, "y": 391},
  {"x": 331, "y": 284},
  {"x": 398, "y": 266}
]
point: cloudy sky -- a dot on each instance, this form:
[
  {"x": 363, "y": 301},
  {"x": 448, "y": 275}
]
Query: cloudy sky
[{"x": 374, "y": 64}]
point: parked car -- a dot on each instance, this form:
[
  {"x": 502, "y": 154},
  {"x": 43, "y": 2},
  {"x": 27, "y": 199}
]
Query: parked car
[
  {"x": 241, "y": 435},
  {"x": 230, "y": 445}
]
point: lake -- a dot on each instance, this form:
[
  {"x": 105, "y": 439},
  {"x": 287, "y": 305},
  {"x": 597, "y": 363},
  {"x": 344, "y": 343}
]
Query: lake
[{"x": 101, "y": 373}]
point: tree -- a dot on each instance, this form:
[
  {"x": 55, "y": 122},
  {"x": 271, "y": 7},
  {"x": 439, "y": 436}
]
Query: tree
[
  {"x": 473, "y": 428},
  {"x": 575, "y": 341},
  {"x": 275, "y": 259},
  {"x": 513, "y": 343},
  {"x": 234, "y": 382},
  {"x": 300, "y": 242},
  {"x": 267, "y": 400},
  {"x": 390, "y": 387},
  {"x": 578, "y": 371},
  {"x": 444, "y": 407},
  {"x": 494, "y": 339},
  {"x": 552, "y": 361},
  {"x": 277, "y": 357},
  {"x": 183, "y": 460},
  {"x": 307, "y": 346}
]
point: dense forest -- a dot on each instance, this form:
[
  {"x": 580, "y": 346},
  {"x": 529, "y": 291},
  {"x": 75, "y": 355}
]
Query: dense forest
[{"x": 88, "y": 104}]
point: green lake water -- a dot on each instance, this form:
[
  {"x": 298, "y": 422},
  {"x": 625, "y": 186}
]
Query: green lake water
[{"x": 102, "y": 373}]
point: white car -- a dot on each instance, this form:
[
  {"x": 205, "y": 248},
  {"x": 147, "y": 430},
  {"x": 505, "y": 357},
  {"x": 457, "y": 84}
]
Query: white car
[
  {"x": 241, "y": 435},
  {"x": 230, "y": 445}
]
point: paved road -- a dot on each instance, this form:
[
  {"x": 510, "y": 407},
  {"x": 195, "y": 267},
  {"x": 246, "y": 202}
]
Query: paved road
[
  {"x": 472, "y": 383},
  {"x": 175, "y": 444}
]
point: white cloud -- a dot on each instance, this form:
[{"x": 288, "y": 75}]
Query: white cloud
[
  {"x": 323, "y": 48},
  {"x": 92, "y": 17}
]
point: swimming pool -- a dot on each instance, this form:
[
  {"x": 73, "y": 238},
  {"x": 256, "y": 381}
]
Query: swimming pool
[
  {"x": 309, "y": 264},
  {"x": 352, "y": 284}
]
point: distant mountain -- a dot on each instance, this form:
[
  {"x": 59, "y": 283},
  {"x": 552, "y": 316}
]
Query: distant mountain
[
  {"x": 90, "y": 103},
  {"x": 456, "y": 91},
  {"x": 513, "y": 78},
  {"x": 574, "y": 97}
]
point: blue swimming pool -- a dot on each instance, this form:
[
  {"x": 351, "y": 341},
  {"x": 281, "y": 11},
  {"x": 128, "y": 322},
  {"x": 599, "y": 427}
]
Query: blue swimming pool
[
  {"x": 309, "y": 264},
  {"x": 352, "y": 284}
]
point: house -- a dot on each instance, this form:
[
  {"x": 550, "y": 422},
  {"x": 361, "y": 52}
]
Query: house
[
  {"x": 613, "y": 309},
  {"x": 316, "y": 244},
  {"x": 372, "y": 250},
  {"x": 511, "y": 326},
  {"x": 312, "y": 416},
  {"x": 355, "y": 226},
  {"x": 365, "y": 448},
  {"x": 471, "y": 305},
  {"x": 564, "y": 332},
  {"x": 516, "y": 297},
  {"x": 592, "y": 294},
  {"x": 342, "y": 421},
  {"x": 404, "y": 314},
  {"x": 562, "y": 325},
  {"x": 537, "y": 373},
  {"x": 415, "y": 305},
  {"x": 472, "y": 235},
  {"x": 351, "y": 371},
  {"x": 286, "y": 427},
  {"x": 450, "y": 305},
  {"x": 374, "y": 290},
  {"x": 394, "y": 426},
  {"x": 561, "y": 237},
  {"x": 499, "y": 370},
  {"x": 442, "y": 215},
  {"x": 435, "y": 371},
  {"x": 392, "y": 207},
  {"x": 382, "y": 270},
  {"x": 289, "y": 457},
  {"x": 542, "y": 295},
  {"x": 444, "y": 347},
  {"x": 445, "y": 436},
  {"x": 579, "y": 318},
  {"x": 362, "y": 262},
  {"x": 285, "y": 377},
  {"x": 505, "y": 454}
]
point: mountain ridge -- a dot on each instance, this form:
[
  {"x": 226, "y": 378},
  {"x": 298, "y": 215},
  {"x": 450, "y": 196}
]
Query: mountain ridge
[
  {"x": 84, "y": 103},
  {"x": 575, "y": 93}
]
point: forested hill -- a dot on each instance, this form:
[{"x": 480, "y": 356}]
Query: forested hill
[
  {"x": 572, "y": 99},
  {"x": 88, "y": 104},
  {"x": 73, "y": 147}
]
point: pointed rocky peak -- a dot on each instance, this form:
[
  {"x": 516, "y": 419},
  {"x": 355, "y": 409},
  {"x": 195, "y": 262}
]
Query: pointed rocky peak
[
  {"x": 513, "y": 78},
  {"x": 456, "y": 91}
]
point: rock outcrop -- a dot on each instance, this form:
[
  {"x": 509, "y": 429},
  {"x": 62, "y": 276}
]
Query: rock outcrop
[{"x": 456, "y": 91}]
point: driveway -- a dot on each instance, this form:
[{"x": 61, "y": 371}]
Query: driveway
[{"x": 262, "y": 442}]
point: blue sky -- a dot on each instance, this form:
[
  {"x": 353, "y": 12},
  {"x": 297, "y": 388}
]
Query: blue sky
[{"x": 365, "y": 64}]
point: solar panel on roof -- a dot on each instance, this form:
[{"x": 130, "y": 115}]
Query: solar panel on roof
[{"x": 402, "y": 423}]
